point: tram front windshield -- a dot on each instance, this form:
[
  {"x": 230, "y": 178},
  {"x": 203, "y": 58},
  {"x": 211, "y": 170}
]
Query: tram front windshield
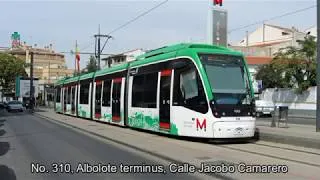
[{"x": 228, "y": 78}]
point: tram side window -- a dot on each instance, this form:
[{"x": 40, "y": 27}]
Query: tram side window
[
  {"x": 144, "y": 90},
  {"x": 65, "y": 93},
  {"x": 188, "y": 90},
  {"x": 84, "y": 93},
  {"x": 189, "y": 84},
  {"x": 69, "y": 95},
  {"x": 58, "y": 91},
  {"x": 106, "y": 93}
]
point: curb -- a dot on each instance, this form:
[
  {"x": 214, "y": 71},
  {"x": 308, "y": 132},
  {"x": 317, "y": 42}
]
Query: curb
[
  {"x": 301, "y": 116},
  {"x": 290, "y": 140},
  {"x": 167, "y": 158}
]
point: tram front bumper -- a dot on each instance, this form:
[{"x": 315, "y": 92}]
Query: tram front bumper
[{"x": 233, "y": 129}]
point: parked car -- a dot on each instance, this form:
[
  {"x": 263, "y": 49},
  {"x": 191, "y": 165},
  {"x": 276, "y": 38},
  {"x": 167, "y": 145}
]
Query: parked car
[
  {"x": 15, "y": 106},
  {"x": 2, "y": 105},
  {"x": 264, "y": 107}
]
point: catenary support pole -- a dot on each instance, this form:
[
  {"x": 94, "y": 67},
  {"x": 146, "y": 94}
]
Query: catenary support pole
[{"x": 318, "y": 71}]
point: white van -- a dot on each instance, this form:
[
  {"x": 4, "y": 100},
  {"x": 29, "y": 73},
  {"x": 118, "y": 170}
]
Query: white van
[{"x": 264, "y": 107}]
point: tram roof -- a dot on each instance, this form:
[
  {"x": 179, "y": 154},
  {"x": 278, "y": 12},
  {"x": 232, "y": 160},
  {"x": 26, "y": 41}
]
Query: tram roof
[
  {"x": 172, "y": 51},
  {"x": 155, "y": 55},
  {"x": 71, "y": 79},
  {"x": 113, "y": 69},
  {"x": 60, "y": 82},
  {"x": 86, "y": 76}
]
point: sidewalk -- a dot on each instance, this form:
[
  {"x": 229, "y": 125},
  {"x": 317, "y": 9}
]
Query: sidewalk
[
  {"x": 295, "y": 134},
  {"x": 299, "y": 135},
  {"x": 194, "y": 153},
  {"x": 311, "y": 114}
]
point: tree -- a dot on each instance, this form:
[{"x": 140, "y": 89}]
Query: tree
[
  {"x": 269, "y": 76},
  {"x": 292, "y": 67},
  {"x": 10, "y": 68},
  {"x": 92, "y": 65}
]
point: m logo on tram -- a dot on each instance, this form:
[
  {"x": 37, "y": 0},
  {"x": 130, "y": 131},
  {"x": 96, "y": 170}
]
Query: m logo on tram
[{"x": 202, "y": 125}]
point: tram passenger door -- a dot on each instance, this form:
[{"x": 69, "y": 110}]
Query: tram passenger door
[
  {"x": 65, "y": 98},
  {"x": 164, "y": 109},
  {"x": 98, "y": 99},
  {"x": 73, "y": 95},
  {"x": 116, "y": 101}
]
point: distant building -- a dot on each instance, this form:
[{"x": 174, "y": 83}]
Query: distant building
[
  {"x": 312, "y": 31},
  {"x": 260, "y": 45},
  {"x": 254, "y": 63},
  {"x": 268, "y": 39},
  {"x": 122, "y": 57},
  {"x": 49, "y": 66}
]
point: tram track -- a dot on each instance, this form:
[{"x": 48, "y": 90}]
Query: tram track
[
  {"x": 295, "y": 160},
  {"x": 285, "y": 148},
  {"x": 246, "y": 150}
]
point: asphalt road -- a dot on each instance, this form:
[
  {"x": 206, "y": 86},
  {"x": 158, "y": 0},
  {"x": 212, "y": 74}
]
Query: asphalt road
[{"x": 29, "y": 143}]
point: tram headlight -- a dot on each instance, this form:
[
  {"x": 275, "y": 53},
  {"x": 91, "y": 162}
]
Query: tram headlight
[{"x": 216, "y": 114}]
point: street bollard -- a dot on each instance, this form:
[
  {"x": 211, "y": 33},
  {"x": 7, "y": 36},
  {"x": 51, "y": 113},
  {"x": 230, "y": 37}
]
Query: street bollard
[
  {"x": 273, "y": 122},
  {"x": 283, "y": 115}
]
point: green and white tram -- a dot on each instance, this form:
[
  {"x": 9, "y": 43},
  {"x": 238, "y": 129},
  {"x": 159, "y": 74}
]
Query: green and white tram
[{"x": 193, "y": 90}]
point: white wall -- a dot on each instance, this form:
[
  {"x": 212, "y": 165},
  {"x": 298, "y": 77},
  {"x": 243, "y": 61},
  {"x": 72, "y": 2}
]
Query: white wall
[
  {"x": 306, "y": 100},
  {"x": 133, "y": 54},
  {"x": 313, "y": 31},
  {"x": 272, "y": 34}
]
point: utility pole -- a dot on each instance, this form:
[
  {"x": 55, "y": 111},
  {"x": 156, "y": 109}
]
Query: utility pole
[
  {"x": 98, "y": 50},
  {"x": 49, "y": 79},
  {"x": 247, "y": 42},
  {"x": 263, "y": 31},
  {"x": 318, "y": 71},
  {"x": 31, "y": 83}
]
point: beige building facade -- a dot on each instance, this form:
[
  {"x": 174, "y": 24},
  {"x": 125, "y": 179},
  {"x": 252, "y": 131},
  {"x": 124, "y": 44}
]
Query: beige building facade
[
  {"x": 48, "y": 65},
  {"x": 268, "y": 39}
]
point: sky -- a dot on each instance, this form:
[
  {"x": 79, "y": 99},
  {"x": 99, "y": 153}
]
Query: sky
[{"x": 62, "y": 23}]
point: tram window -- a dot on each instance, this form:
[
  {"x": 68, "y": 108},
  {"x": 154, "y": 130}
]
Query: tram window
[
  {"x": 69, "y": 95},
  {"x": 84, "y": 93},
  {"x": 106, "y": 93},
  {"x": 65, "y": 97},
  {"x": 188, "y": 84},
  {"x": 150, "y": 91},
  {"x": 188, "y": 90},
  {"x": 137, "y": 91},
  {"x": 144, "y": 90},
  {"x": 73, "y": 94},
  {"x": 58, "y": 91}
]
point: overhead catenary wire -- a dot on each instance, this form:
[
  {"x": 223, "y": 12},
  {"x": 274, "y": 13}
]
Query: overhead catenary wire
[
  {"x": 134, "y": 19},
  {"x": 273, "y": 18},
  {"x": 137, "y": 17},
  {"x": 89, "y": 44}
]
